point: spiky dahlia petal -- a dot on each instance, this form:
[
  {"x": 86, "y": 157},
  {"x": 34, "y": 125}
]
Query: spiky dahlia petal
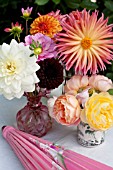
[
  {"x": 85, "y": 43},
  {"x": 57, "y": 15}
]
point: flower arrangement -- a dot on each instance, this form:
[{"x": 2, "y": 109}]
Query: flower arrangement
[{"x": 81, "y": 42}]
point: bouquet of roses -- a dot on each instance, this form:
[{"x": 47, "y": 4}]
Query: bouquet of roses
[{"x": 86, "y": 99}]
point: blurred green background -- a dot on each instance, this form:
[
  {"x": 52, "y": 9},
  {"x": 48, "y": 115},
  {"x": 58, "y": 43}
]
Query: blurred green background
[{"x": 10, "y": 11}]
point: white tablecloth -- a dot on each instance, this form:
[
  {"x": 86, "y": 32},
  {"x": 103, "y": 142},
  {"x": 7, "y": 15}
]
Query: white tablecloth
[{"x": 61, "y": 134}]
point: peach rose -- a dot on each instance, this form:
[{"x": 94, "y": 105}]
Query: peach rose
[
  {"x": 66, "y": 110},
  {"x": 100, "y": 82},
  {"x": 75, "y": 83}
]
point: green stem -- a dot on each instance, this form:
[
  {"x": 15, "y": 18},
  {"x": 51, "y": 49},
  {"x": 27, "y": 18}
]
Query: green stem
[{"x": 18, "y": 38}]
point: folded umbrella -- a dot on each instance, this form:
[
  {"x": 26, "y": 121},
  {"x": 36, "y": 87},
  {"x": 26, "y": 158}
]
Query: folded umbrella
[{"x": 38, "y": 154}]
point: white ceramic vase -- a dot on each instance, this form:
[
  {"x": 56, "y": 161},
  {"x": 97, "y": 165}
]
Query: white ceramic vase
[{"x": 88, "y": 137}]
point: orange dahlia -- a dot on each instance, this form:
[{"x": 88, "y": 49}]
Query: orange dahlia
[
  {"x": 86, "y": 42},
  {"x": 47, "y": 25}
]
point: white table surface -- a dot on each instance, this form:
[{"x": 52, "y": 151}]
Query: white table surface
[{"x": 63, "y": 135}]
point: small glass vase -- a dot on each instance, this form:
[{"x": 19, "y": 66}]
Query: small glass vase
[
  {"x": 88, "y": 137},
  {"x": 34, "y": 117}
]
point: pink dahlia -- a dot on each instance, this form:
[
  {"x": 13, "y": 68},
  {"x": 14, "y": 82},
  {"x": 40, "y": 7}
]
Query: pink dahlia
[
  {"x": 86, "y": 42},
  {"x": 57, "y": 15},
  {"x": 43, "y": 46}
]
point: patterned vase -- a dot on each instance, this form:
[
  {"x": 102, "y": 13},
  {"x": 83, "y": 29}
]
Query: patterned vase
[
  {"x": 34, "y": 117},
  {"x": 88, "y": 137}
]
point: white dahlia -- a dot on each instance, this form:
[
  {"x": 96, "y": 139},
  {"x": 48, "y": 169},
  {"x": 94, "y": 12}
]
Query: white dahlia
[{"x": 17, "y": 70}]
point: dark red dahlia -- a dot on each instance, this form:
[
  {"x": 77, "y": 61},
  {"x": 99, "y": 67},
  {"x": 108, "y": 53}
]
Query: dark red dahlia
[{"x": 50, "y": 73}]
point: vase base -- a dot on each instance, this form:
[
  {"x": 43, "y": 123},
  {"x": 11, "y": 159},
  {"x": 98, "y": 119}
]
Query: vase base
[
  {"x": 87, "y": 144},
  {"x": 88, "y": 137}
]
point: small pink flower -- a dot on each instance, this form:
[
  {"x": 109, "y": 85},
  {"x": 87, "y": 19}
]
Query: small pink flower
[
  {"x": 76, "y": 83},
  {"x": 66, "y": 110},
  {"x": 15, "y": 28},
  {"x": 26, "y": 12},
  {"x": 100, "y": 82}
]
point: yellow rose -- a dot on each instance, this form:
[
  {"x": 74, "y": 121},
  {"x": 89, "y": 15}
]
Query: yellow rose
[{"x": 98, "y": 111}]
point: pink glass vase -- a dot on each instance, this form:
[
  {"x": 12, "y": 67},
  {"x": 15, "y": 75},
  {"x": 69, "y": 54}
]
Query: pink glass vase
[{"x": 34, "y": 117}]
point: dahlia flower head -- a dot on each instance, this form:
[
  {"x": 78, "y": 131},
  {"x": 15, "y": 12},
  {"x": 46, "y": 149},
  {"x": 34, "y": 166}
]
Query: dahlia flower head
[
  {"x": 86, "y": 42},
  {"x": 50, "y": 73},
  {"x": 43, "y": 46},
  {"x": 49, "y": 24},
  {"x": 18, "y": 70}
]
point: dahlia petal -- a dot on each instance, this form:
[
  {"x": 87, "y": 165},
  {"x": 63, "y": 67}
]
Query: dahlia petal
[
  {"x": 71, "y": 58},
  {"x": 5, "y": 49},
  {"x": 105, "y": 55},
  {"x": 89, "y": 63}
]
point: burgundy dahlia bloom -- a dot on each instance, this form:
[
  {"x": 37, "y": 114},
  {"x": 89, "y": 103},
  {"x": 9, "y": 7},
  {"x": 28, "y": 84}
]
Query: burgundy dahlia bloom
[{"x": 50, "y": 73}]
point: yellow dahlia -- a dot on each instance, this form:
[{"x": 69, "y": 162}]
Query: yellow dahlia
[
  {"x": 47, "y": 25},
  {"x": 86, "y": 42}
]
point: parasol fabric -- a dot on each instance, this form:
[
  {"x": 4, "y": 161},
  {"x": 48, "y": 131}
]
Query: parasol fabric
[{"x": 38, "y": 154}]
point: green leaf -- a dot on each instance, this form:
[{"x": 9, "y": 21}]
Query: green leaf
[
  {"x": 110, "y": 91},
  {"x": 107, "y": 12},
  {"x": 73, "y": 4},
  {"x": 110, "y": 19},
  {"x": 110, "y": 75},
  {"x": 112, "y": 66},
  {"x": 88, "y": 5},
  {"x": 41, "y": 2},
  {"x": 61, "y": 159},
  {"x": 56, "y": 1},
  {"x": 109, "y": 5},
  {"x": 3, "y": 3}
]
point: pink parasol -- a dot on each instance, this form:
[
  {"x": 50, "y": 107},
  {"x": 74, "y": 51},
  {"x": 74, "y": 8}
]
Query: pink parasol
[{"x": 38, "y": 154}]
